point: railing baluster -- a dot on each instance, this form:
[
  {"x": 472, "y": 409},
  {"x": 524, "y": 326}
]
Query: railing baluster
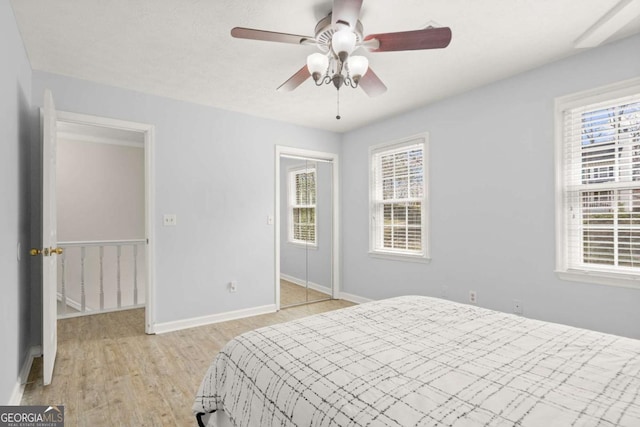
[
  {"x": 85, "y": 302},
  {"x": 135, "y": 274},
  {"x": 83, "y": 297},
  {"x": 101, "y": 278},
  {"x": 118, "y": 278},
  {"x": 63, "y": 283}
]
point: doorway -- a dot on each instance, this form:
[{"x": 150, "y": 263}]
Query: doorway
[
  {"x": 119, "y": 267},
  {"x": 100, "y": 219},
  {"x": 307, "y": 261},
  {"x": 48, "y": 250}
]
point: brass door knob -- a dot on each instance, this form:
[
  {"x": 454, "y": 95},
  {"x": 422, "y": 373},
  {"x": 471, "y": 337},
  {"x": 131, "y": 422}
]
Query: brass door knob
[
  {"x": 56, "y": 251},
  {"x": 35, "y": 252}
]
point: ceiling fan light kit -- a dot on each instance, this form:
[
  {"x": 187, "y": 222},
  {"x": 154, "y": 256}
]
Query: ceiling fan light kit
[
  {"x": 326, "y": 69},
  {"x": 338, "y": 35},
  {"x": 358, "y": 66},
  {"x": 317, "y": 63},
  {"x": 343, "y": 42}
]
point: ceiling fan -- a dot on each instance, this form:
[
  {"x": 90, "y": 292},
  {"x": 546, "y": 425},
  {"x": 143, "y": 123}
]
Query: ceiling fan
[{"x": 337, "y": 36}]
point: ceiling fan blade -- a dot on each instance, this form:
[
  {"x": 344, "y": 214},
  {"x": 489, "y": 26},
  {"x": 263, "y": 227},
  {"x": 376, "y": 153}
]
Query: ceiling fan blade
[
  {"x": 269, "y": 36},
  {"x": 429, "y": 38},
  {"x": 346, "y": 12},
  {"x": 371, "y": 84},
  {"x": 296, "y": 80}
]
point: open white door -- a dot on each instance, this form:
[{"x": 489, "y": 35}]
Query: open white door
[{"x": 49, "y": 238}]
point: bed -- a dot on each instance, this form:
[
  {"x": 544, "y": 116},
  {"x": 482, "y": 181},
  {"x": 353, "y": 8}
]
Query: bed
[{"x": 420, "y": 361}]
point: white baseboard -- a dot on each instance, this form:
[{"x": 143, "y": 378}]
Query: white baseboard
[
  {"x": 16, "y": 394},
  {"x": 161, "y": 328},
  {"x": 73, "y": 303},
  {"x": 18, "y": 390},
  {"x": 302, "y": 282},
  {"x": 353, "y": 298}
]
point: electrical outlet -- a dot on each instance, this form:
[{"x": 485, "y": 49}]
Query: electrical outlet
[
  {"x": 473, "y": 297},
  {"x": 517, "y": 306},
  {"x": 443, "y": 291},
  {"x": 233, "y": 286},
  {"x": 170, "y": 220}
]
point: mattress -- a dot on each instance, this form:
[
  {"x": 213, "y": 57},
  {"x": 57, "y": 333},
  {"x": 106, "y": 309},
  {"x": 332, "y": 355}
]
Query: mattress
[{"x": 420, "y": 361}]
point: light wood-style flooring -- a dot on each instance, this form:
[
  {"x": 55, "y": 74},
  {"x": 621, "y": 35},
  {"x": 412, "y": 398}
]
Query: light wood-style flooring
[
  {"x": 291, "y": 294},
  {"x": 110, "y": 373}
]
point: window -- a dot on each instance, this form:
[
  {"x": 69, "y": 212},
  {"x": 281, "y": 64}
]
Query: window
[
  {"x": 302, "y": 205},
  {"x": 598, "y": 164},
  {"x": 398, "y": 199}
]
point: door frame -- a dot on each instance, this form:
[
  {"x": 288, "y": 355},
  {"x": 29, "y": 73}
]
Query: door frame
[
  {"x": 280, "y": 151},
  {"x": 149, "y": 192}
]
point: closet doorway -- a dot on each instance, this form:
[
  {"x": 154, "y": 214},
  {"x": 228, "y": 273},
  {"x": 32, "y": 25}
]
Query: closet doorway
[{"x": 306, "y": 226}]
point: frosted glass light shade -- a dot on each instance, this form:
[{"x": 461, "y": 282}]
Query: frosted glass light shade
[
  {"x": 358, "y": 65},
  {"x": 317, "y": 63},
  {"x": 343, "y": 41}
]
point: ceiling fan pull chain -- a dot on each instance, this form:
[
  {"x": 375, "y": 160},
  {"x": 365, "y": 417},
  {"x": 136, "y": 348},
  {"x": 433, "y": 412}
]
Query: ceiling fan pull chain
[{"x": 338, "y": 106}]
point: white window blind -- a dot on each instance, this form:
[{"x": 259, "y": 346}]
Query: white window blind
[
  {"x": 302, "y": 205},
  {"x": 398, "y": 199},
  {"x": 601, "y": 151}
]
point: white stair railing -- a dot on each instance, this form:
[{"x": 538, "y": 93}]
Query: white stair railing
[{"x": 100, "y": 276}]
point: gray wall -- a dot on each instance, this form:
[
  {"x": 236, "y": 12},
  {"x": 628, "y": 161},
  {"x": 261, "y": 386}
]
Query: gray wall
[
  {"x": 215, "y": 171},
  {"x": 100, "y": 191},
  {"x": 312, "y": 264},
  {"x": 16, "y": 123},
  {"x": 491, "y": 178}
]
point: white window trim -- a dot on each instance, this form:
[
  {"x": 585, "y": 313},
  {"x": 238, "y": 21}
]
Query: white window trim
[
  {"x": 425, "y": 256},
  {"x": 291, "y": 189},
  {"x": 592, "y": 275}
]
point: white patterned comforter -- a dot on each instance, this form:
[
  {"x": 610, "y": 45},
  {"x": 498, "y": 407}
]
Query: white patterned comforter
[{"x": 419, "y": 361}]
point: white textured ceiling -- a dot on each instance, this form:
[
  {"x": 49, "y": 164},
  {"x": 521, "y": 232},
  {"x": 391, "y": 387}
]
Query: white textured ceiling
[{"x": 182, "y": 49}]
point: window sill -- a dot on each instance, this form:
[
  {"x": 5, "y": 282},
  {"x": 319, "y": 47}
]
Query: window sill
[
  {"x": 400, "y": 257},
  {"x": 313, "y": 246},
  {"x": 601, "y": 278}
]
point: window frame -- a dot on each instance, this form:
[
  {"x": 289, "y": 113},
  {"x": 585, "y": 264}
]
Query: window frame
[
  {"x": 291, "y": 205},
  {"x": 374, "y": 232},
  {"x": 564, "y": 268}
]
